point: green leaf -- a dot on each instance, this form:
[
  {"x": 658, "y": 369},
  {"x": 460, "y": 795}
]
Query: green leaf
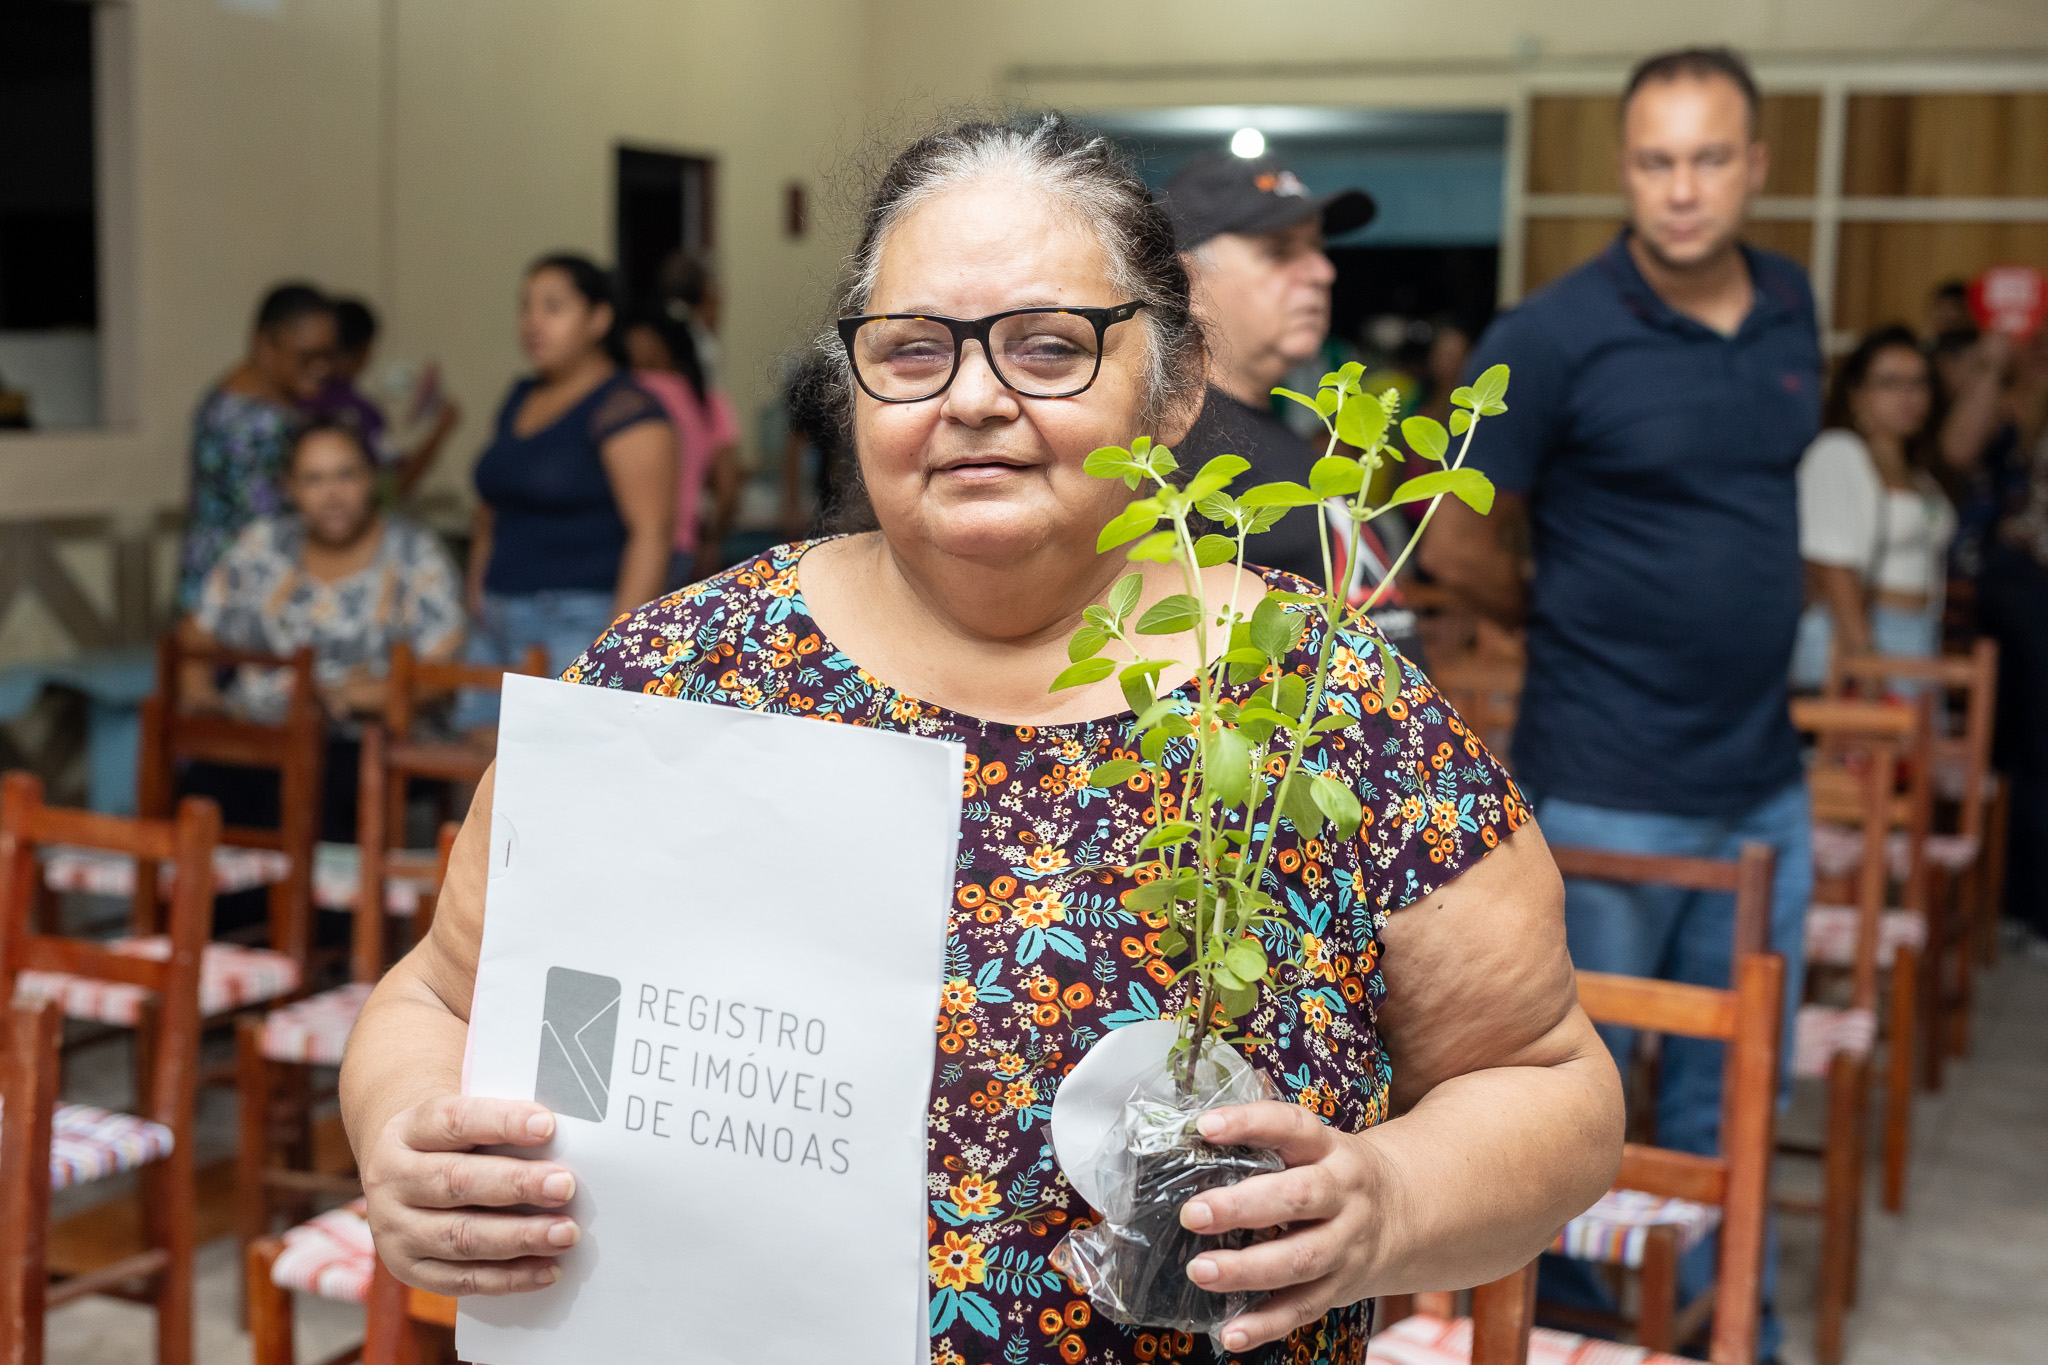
[
  {"x": 1293, "y": 694},
  {"x": 1489, "y": 389},
  {"x": 1291, "y": 396},
  {"x": 1220, "y": 508},
  {"x": 1265, "y": 519},
  {"x": 1114, "y": 773},
  {"x": 1341, "y": 720},
  {"x": 1274, "y": 628},
  {"x": 1461, "y": 422},
  {"x": 1247, "y": 959},
  {"x": 1172, "y": 832},
  {"x": 1124, "y": 595},
  {"x": 1137, "y": 692},
  {"x": 1212, "y": 549},
  {"x": 1153, "y": 714},
  {"x": 1425, "y": 436},
  {"x": 1300, "y": 808},
  {"x": 1159, "y": 547},
  {"x": 1154, "y": 744},
  {"x": 1134, "y": 521},
  {"x": 1150, "y": 896},
  {"x": 1170, "y": 615},
  {"x": 1464, "y": 397},
  {"x": 1137, "y": 682},
  {"x": 1081, "y": 674},
  {"x": 1238, "y": 1001},
  {"x": 1281, "y": 494},
  {"x": 1362, "y": 421},
  {"x": 1174, "y": 725},
  {"x": 1470, "y": 486},
  {"x": 1336, "y": 476},
  {"x": 1338, "y": 802},
  {"x": 1110, "y": 462},
  {"x": 1390, "y": 675},
  {"x": 1215, "y": 476},
  {"x": 1172, "y": 942},
  {"x": 1086, "y": 643},
  {"x": 1227, "y": 766},
  {"x": 1327, "y": 400},
  {"x": 1099, "y": 617}
]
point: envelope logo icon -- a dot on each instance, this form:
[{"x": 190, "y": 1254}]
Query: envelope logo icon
[{"x": 578, "y": 1027}]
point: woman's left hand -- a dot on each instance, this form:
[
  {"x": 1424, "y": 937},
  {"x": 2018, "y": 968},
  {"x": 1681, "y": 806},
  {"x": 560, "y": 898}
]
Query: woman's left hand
[{"x": 1330, "y": 1199}]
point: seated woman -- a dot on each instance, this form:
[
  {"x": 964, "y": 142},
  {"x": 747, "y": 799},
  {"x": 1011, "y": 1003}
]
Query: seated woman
[
  {"x": 1457, "y": 1046},
  {"x": 340, "y": 576}
]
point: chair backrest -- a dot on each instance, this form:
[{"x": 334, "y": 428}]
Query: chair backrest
[
  {"x": 1484, "y": 686},
  {"x": 1853, "y": 782},
  {"x": 1748, "y": 1019},
  {"x": 1975, "y": 677},
  {"x": 415, "y": 681},
  {"x": 29, "y": 1038},
  {"x": 295, "y": 749},
  {"x": 186, "y": 842}
]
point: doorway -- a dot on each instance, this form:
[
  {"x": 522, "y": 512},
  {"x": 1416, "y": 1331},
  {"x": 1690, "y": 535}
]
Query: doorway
[{"x": 663, "y": 208}]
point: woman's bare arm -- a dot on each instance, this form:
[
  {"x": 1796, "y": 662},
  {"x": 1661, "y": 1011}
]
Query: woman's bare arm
[
  {"x": 1509, "y": 1117},
  {"x": 433, "y": 1199},
  {"x": 641, "y": 463},
  {"x": 1841, "y": 591}
]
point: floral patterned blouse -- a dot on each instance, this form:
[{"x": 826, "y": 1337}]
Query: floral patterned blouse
[
  {"x": 239, "y": 448},
  {"x": 1043, "y": 959}
]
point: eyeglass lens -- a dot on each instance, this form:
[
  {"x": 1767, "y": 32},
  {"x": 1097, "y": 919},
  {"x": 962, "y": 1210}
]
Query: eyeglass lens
[{"x": 1042, "y": 355}]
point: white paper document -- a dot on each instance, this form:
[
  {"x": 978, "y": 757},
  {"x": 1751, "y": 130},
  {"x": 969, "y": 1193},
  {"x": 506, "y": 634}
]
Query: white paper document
[{"x": 712, "y": 946}]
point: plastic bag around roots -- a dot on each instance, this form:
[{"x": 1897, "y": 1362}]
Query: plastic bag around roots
[{"x": 1133, "y": 1264}]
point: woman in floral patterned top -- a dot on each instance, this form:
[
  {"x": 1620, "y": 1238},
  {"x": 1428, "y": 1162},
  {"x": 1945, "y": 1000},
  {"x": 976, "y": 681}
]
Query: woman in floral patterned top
[{"x": 1428, "y": 1028}]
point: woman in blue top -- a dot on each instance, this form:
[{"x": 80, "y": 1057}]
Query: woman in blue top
[{"x": 577, "y": 487}]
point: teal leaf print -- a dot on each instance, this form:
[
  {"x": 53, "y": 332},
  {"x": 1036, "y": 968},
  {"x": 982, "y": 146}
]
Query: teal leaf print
[
  {"x": 987, "y": 984},
  {"x": 1143, "y": 1007}
]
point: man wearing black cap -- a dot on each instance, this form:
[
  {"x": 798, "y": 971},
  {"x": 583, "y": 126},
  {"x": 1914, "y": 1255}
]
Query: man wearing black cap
[{"x": 1252, "y": 236}]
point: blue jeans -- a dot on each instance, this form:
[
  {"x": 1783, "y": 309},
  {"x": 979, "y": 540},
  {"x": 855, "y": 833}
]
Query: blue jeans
[
  {"x": 1689, "y": 936},
  {"x": 563, "y": 623}
]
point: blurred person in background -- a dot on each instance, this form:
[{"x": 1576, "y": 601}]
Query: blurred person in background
[
  {"x": 689, "y": 286},
  {"x": 341, "y": 399},
  {"x": 577, "y": 489},
  {"x": 1251, "y": 236},
  {"x": 1664, "y": 393},
  {"x": 242, "y": 430},
  {"x": 1874, "y": 524},
  {"x": 335, "y": 574},
  {"x": 1948, "y": 309},
  {"x": 663, "y": 353}
]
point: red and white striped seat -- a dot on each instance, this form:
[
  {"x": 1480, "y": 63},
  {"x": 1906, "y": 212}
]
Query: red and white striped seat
[
  {"x": 1831, "y": 934},
  {"x": 1838, "y": 850},
  {"x": 1823, "y": 1030},
  {"x": 1614, "y": 1230},
  {"x": 230, "y": 977},
  {"x": 338, "y": 878},
  {"x": 1422, "y": 1340},
  {"x": 88, "y": 1144},
  {"x": 329, "y": 1255},
  {"x": 103, "y": 872},
  {"x": 314, "y": 1030}
]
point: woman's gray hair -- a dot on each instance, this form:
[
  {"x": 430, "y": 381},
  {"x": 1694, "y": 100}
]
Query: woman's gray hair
[{"x": 1094, "y": 182}]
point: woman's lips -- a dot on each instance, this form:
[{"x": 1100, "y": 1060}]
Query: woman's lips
[{"x": 982, "y": 471}]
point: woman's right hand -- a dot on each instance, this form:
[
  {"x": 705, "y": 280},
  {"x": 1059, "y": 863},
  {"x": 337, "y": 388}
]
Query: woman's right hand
[{"x": 438, "y": 1208}]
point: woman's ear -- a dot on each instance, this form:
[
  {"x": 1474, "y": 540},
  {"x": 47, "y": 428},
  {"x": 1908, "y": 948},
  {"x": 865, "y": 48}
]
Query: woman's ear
[{"x": 1179, "y": 418}]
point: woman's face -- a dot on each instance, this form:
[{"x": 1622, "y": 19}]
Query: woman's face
[
  {"x": 558, "y": 327},
  {"x": 333, "y": 488},
  {"x": 980, "y": 472},
  {"x": 1894, "y": 396},
  {"x": 296, "y": 356},
  {"x": 645, "y": 350}
]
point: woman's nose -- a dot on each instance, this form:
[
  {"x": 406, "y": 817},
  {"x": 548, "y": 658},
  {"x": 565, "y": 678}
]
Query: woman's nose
[{"x": 976, "y": 394}]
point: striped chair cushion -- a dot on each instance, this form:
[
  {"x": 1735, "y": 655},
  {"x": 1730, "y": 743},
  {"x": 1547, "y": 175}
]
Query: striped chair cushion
[
  {"x": 1823, "y": 1030},
  {"x": 230, "y": 977},
  {"x": 1837, "y": 850},
  {"x": 1952, "y": 780},
  {"x": 1831, "y": 934},
  {"x": 1423, "y": 1340},
  {"x": 101, "y": 872},
  {"x": 1614, "y": 1230},
  {"x": 338, "y": 878},
  {"x": 315, "y": 1029},
  {"x": 1950, "y": 852},
  {"x": 88, "y": 1144},
  {"x": 329, "y": 1255}
]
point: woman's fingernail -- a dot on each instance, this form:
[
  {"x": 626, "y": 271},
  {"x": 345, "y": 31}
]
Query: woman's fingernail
[
  {"x": 1210, "y": 1125},
  {"x": 559, "y": 1187},
  {"x": 1195, "y": 1215},
  {"x": 563, "y": 1234},
  {"x": 549, "y": 1274},
  {"x": 540, "y": 1125},
  {"x": 1236, "y": 1338},
  {"x": 1201, "y": 1270}
]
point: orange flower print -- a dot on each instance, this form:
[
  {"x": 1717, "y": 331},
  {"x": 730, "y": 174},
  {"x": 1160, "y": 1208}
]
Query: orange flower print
[
  {"x": 1347, "y": 669},
  {"x": 1315, "y": 1014},
  {"x": 1002, "y": 888},
  {"x": 970, "y": 896},
  {"x": 1046, "y": 859},
  {"x": 1313, "y": 959},
  {"x": 1009, "y": 1064},
  {"x": 783, "y": 584},
  {"x": 974, "y": 1193},
  {"x": 1411, "y": 810},
  {"x": 957, "y": 995},
  {"x": 1078, "y": 996},
  {"x": 958, "y": 1262},
  {"x": 1043, "y": 987},
  {"x": 1036, "y": 907},
  {"x": 1019, "y": 1095}
]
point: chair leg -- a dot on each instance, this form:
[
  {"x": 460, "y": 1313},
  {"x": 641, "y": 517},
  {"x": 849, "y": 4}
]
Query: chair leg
[
  {"x": 1657, "y": 1289},
  {"x": 1848, "y": 1093},
  {"x": 252, "y": 1156},
  {"x": 270, "y": 1308},
  {"x": 1995, "y": 827},
  {"x": 1969, "y": 896},
  {"x": 168, "y": 1200},
  {"x": 1898, "y": 1099},
  {"x": 1933, "y": 984}
]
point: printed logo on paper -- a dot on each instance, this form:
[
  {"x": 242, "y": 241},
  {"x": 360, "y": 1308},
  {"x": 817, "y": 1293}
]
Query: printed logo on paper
[{"x": 579, "y": 1025}]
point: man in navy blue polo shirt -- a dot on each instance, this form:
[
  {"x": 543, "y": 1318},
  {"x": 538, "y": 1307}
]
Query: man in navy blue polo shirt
[{"x": 1662, "y": 395}]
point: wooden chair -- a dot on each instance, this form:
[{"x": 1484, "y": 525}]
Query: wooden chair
[
  {"x": 395, "y": 1317},
  {"x": 28, "y": 1107},
  {"x": 1484, "y": 685},
  {"x": 1852, "y": 783},
  {"x": 86, "y": 1143},
  {"x": 1962, "y": 914},
  {"x": 330, "y": 1254}
]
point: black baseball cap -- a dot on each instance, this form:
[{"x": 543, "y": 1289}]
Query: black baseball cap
[{"x": 1222, "y": 193}]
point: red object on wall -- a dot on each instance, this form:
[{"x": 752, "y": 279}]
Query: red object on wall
[{"x": 2012, "y": 299}]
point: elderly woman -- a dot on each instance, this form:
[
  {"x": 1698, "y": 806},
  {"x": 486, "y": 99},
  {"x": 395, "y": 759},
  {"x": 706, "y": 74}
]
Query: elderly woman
[{"x": 1444, "y": 1038}]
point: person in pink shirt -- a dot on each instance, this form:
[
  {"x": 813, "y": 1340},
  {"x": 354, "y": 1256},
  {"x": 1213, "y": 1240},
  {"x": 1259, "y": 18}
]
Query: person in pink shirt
[{"x": 665, "y": 363}]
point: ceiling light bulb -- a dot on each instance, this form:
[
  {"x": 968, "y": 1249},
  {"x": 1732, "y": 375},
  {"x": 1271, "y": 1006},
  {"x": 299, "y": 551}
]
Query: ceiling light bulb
[{"x": 1248, "y": 143}]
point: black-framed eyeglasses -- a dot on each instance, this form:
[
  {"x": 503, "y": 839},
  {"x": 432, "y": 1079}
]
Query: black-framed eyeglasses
[{"x": 1037, "y": 352}]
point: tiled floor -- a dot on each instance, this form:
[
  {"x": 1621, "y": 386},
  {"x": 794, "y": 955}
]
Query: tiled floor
[{"x": 1961, "y": 1276}]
